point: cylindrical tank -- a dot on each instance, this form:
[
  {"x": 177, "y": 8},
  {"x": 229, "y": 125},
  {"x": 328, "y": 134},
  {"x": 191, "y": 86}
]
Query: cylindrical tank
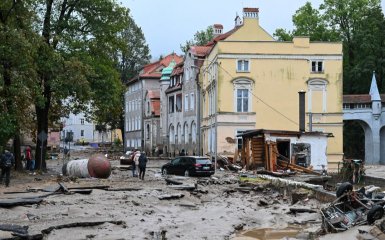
[{"x": 97, "y": 166}]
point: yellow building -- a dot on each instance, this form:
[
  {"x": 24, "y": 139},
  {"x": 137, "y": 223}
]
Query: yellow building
[{"x": 251, "y": 81}]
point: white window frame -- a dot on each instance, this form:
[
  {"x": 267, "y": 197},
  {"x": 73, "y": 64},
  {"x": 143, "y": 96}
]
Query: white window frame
[
  {"x": 317, "y": 85},
  {"x": 242, "y": 69},
  {"x": 243, "y": 84},
  {"x": 316, "y": 68}
]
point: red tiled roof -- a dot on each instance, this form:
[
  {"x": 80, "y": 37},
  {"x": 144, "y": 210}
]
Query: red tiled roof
[
  {"x": 155, "y": 107},
  {"x": 153, "y": 94},
  {"x": 222, "y": 36},
  {"x": 178, "y": 69},
  {"x": 250, "y": 9},
  {"x": 218, "y": 26},
  {"x": 154, "y": 70},
  {"x": 360, "y": 98},
  {"x": 200, "y": 51}
]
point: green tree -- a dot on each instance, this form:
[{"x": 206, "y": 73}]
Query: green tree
[
  {"x": 77, "y": 62},
  {"x": 17, "y": 55},
  {"x": 200, "y": 38},
  {"x": 308, "y": 22}
]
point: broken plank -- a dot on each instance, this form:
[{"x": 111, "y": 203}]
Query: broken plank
[
  {"x": 302, "y": 210},
  {"x": 81, "y": 191},
  {"x": 124, "y": 189},
  {"x": 171, "y": 181},
  {"x": 102, "y": 187},
  {"x": 183, "y": 187},
  {"x": 14, "y": 228},
  {"x": 79, "y": 224},
  {"x": 8, "y": 203},
  {"x": 170, "y": 196}
]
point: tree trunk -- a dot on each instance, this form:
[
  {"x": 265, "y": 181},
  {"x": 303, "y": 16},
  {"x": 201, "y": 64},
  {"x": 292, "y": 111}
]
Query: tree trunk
[
  {"x": 41, "y": 144},
  {"x": 17, "y": 152}
]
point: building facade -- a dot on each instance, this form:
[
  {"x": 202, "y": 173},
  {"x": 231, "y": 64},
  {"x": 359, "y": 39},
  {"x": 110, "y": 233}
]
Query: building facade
[
  {"x": 251, "y": 81},
  {"x": 148, "y": 79}
]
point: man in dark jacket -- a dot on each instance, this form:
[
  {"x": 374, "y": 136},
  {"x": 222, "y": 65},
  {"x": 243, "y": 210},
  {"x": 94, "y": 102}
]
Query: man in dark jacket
[
  {"x": 142, "y": 165},
  {"x": 6, "y": 162}
]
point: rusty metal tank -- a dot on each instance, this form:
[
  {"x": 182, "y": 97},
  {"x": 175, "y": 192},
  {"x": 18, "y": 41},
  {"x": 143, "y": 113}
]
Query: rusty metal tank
[{"x": 97, "y": 166}]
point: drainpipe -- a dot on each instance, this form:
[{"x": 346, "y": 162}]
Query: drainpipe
[{"x": 301, "y": 110}]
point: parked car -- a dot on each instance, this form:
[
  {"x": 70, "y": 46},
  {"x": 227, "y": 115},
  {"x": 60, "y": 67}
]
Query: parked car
[
  {"x": 352, "y": 208},
  {"x": 126, "y": 159},
  {"x": 189, "y": 166}
]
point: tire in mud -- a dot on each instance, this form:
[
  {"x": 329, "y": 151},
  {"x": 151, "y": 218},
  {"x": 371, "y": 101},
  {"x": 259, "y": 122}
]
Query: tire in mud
[{"x": 375, "y": 213}]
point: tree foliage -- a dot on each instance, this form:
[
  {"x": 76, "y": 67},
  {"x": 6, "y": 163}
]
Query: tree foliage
[
  {"x": 200, "y": 38},
  {"x": 64, "y": 56}
]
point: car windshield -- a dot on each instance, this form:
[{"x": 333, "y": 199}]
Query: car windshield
[{"x": 203, "y": 161}]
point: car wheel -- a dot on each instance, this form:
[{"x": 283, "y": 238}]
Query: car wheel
[
  {"x": 187, "y": 173},
  {"x": 375, "y": 213},
  {"x": 345, "y": 187},
  {"x": 164, "y": 171}
]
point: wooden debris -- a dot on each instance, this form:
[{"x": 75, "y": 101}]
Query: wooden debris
[
  {"x": 79, "y": 224},
  {"x": 81, "y": 191},
  {"x": 171, "y": 196},
  {"x": 173, "y": 182},
  {"x": 124, "y": 189},
  {"x": 8, "y": 203},
  {"x": 183, "y": 187},
  {"x": 297, "y": 168},
  {"x": 302, "y": 210},
  {"x": 14, "y": 228},
  {"x": 102, "y": 187}
]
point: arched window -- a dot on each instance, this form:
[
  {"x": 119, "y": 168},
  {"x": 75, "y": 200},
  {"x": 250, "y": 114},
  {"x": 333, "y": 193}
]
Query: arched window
[
  {"x": 171, "y": 134},
  {"x": 148, "y": 108},
  {"x": 148, "y": 131},
  {"x": 185, "y": 132},
  {"x": 193, "y": 133},
  {"x": 317, "y": 95},
  {"x": 242, "y": 95},
  {"x": 179, "y": 134}
]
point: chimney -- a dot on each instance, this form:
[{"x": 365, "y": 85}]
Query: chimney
[
  {"x": 301, "y": 110},
  {"x": 218, "y": 29},
  {"x": 238, "y": 21},
  {"x": 250, "y": 13}
]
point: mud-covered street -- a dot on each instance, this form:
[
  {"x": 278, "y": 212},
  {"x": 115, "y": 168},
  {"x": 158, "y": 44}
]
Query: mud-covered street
[{"x": 123, "y": 207}]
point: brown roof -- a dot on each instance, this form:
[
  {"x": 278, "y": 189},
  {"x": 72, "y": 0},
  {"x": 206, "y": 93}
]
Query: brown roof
[
  {"x": 200, "y": 51},
  {"x": 155, "y": 107},
  {"x": 250, "y": 9},
  {"x": 360, "y": 98},
  {"x": 222, "y": 36},
  {"x": 218, "y": 26},
  {"x": 154, "y": 70},
  {"x": 178, "y": 69},
  {"x": 153, "y": 94}
]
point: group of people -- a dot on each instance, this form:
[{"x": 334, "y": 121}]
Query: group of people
[{"x": 139, "y": 162}]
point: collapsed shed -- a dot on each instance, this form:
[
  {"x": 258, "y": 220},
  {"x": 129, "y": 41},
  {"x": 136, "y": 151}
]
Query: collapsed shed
[{"x": 273, "y": 149}]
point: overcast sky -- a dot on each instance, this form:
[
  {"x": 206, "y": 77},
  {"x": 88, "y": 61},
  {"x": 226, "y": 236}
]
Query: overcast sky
[{"x": 168, "y": 23}]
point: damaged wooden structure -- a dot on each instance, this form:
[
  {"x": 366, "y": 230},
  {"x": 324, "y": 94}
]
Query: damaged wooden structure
[{"x": 273, "y": 150}]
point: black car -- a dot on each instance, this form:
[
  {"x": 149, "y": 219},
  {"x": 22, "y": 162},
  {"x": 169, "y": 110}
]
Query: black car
[{"x": 189, "y": 166}]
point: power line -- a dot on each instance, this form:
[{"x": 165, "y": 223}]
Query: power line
[{"x": 269, "y": 106}]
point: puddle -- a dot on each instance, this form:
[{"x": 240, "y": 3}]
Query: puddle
[{"x": 269, "y": 233}]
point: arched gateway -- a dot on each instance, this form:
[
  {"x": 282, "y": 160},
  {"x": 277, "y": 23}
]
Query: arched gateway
[{"x": 367, "y": 109}]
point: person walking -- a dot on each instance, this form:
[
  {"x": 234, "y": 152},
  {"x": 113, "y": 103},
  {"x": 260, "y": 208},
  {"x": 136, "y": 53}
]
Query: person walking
[
  {"x": 6, "y": 162},
  {"x": 142, "y": 165},
  {"x": 135, "y": 163}
]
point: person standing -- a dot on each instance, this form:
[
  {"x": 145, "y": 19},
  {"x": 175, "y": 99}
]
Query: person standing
[
  {"x": 6, "y": 162},
  {"x": 135, "y": 163},
  {"x": 142, "y": 165},
  {"x": 28, "y": 157}
]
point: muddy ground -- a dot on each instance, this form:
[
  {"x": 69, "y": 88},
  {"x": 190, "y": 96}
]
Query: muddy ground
[{"x": 220, "y": 208}]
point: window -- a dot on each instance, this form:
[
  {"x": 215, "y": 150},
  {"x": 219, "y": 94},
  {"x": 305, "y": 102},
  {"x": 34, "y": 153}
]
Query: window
[
  {"x": 193, "y": 133},
  {"x": 239, "y": 139},
  {"x": 185, "y": 133},
  {"x": 148, "y": 108},
  {"x": 242, "y": 95},
  {"x": 81, "y": 133},
  {"x": 242, "y": 100},
  {"x": 243, "y": 66},
  {"x": 317, "y": 66},
  {"x": 192, "y": 101},
  {"x": 148, "y": 131},
  {"x": 82, "y": 121},
  {"x": 171, "y": 104},
  {"x": 186, "y": 104},
  {"x": 317, "y": 95},
  {"x": 179, "y": 102}
]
